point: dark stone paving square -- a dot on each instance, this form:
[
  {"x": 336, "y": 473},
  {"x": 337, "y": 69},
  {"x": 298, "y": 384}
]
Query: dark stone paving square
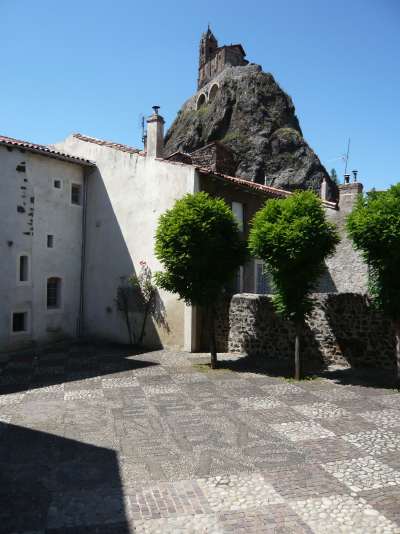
[
  {"x": 346, "y": 424},
  {"x": 386, "y": 501},
  {"x": 329, "y": 450},
  {"x": 303, "y": 481},
  {"x": 272, "y": 519}
]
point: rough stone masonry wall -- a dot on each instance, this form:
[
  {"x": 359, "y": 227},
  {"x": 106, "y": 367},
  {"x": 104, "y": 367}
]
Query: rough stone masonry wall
[{"x": 342, "y": 329}]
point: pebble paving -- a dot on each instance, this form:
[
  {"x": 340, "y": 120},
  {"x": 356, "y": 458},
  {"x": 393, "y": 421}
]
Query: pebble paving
[{"x": 101, "y": 441}]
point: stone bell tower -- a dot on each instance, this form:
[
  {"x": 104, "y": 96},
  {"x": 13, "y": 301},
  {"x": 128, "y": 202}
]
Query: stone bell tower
[{"x": 208, "y": 50}]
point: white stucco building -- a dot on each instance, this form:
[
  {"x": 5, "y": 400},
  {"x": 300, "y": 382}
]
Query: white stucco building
[
  {"x": 80, "y": 216},
  {"x": 41, "y": 207}
]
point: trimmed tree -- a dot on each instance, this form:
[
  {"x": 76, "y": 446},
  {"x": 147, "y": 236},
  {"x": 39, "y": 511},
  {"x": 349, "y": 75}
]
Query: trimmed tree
[
  {"x": 200, "y": 247},
  {"x": 293, "y": 238},
  {"x": 374, "y": 227}
]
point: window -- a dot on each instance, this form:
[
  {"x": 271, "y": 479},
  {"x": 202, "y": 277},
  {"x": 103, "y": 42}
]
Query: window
[
  {"x": 238, "y": 211},
  {"x": 53, "y": 293},
  {"x": 76, "y": 194},
  {"x": 50, "y": 241},
  {"x": 57, "y": 184},
  {"x": 262, "y": 282},
  {"x": 238, "y": 282},
  {"x": 23, "y": 268},
  {"x": 20, "y": 322},
  {"x": 201, "y": 101}
]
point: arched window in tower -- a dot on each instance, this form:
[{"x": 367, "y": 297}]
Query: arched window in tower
[
  {"x": 201, "y": 101},
  {"x": 213, "y": 92}
]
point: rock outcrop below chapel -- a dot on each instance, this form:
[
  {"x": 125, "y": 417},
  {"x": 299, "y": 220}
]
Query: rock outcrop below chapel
[{"x": 245, "y": 109}]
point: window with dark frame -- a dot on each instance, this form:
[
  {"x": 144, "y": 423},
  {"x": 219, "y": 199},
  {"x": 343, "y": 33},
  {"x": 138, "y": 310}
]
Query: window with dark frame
[
  {"x": 76, "y": 194},
  {"x": 19, "y": 321},
  {"x": 50, "y": 241},
  {"x": 57, "y": 184},
  {"x": 23, "y": 269},
  {"x": 53, "y": 292},
  {"x": 238, "y": 211}
]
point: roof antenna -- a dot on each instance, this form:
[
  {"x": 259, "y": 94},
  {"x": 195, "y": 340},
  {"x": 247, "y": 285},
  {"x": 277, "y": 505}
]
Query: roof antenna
[
  {"x": 346, "y": 157},
  {"x": 142, "y": 126}
]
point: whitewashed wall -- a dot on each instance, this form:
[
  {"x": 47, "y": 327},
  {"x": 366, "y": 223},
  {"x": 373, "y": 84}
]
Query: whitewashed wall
[
  {"x": 43, "y": 210},
  {"x": 126, "y": 196}
]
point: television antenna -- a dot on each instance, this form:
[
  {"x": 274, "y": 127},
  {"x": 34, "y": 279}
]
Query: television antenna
[
  {"x": 346, "y": 157},
  {"x": 142, "y": 127}
]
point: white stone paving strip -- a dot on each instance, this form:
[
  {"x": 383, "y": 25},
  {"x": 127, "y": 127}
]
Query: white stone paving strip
[
  {"x": 238, "y": 492},
  {"x": 321, "y": 410},
  {"x": 13, "y": 398},
  {"x": 365, "y": 473},
  {"x": 383, "y": 418},
  {"x": 344, "y": 514},
  {"x": 375, "y": 442},
  {"x": 258, "y": 403},
  {"x": 119, "y": 382},
  {"x": 81, "y": 394},
  {"x": 302, "y": 430}
]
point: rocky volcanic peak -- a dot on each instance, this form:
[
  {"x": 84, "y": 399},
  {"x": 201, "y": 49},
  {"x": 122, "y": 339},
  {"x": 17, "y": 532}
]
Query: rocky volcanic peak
[{"x": 245, "y": 109}]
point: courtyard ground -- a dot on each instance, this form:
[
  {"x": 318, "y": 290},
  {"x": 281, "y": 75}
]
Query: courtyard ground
[{"x": 98, "y": 441}]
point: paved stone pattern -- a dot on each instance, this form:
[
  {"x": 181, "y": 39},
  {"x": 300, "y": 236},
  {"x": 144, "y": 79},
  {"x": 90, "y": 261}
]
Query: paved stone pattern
[{"x": 105, "y": 442}]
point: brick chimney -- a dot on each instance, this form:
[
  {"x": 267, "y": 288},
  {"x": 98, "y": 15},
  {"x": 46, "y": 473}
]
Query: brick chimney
[
  {"x": 349, "y": 191},
  {"x": 155, "y": 135}
]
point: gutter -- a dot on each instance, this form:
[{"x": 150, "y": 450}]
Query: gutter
[{"x": 81, "y": 322}]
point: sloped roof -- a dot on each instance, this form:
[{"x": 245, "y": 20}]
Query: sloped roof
[
  {"x": 110, "y": 144},
  {"x": 266, "y": 189},
  {"x": 43, "y": 150}
]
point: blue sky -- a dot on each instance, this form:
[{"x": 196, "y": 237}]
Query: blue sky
[{"x": 94, "y": 66}]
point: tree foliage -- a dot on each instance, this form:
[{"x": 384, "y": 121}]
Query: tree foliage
[
  {"x": 374, "y": 227},
  {"x": 293, "y": 238},
  {"x": 199, "y": 244}
]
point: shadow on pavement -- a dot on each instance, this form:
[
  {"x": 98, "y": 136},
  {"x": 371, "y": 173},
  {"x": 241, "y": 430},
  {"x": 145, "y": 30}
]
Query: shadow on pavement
[
  {"x": 53, "y": 485},
  {"x": 21, "y": 372}
]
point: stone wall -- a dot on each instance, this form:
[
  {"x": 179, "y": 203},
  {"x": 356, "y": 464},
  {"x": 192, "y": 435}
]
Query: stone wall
[
  {"x": 346, "y": 270},
  {"x": 342, "y": 329}
]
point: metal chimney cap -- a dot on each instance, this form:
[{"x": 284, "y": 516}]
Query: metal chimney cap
[{"x": 156, "y": 108}]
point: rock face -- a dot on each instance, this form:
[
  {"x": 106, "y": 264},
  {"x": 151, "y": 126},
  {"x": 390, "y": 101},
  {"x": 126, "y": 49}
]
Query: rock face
[{"x": 245, "y": 109}]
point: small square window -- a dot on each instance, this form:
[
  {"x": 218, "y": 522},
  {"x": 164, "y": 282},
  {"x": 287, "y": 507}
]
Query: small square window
[
  {"x": 20, "y": 322},
  {"x": 50, "y": 241},
  {"x": 57, "y": 184},
  {"x": 76, "y": 194}
]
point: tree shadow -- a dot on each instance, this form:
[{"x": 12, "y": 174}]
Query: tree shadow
[
  {"x": 31, "y": 370},
  {"x": 56, "y": 485},
  {"x": 365, "y": 377}
]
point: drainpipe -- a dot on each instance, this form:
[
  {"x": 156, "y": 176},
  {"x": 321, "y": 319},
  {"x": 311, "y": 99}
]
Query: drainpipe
[{"x": 81, "y": 324}]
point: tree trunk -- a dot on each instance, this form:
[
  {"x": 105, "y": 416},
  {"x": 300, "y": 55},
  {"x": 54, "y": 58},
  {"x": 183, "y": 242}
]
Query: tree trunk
[
  {"x": 143, "y": 329},
  {"x": 213, "y": 344},
  {"x": 129, "y": 327},
  {"x": 297, "y": 370},
  {"x": 397, "y": 337}
]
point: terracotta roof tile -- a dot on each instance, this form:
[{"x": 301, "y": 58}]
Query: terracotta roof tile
[
  {"x": 266, "y": 189},
  {"x": 110, "y": 144},
  {"x": 42, "y": 149}
]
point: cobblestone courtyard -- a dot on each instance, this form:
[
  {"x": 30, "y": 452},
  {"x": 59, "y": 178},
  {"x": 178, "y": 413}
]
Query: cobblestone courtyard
[{"x": 99, "y": 442}]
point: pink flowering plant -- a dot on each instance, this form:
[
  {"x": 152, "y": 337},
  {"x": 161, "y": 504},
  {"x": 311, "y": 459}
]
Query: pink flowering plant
[{"x": 137, "y": 294}]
